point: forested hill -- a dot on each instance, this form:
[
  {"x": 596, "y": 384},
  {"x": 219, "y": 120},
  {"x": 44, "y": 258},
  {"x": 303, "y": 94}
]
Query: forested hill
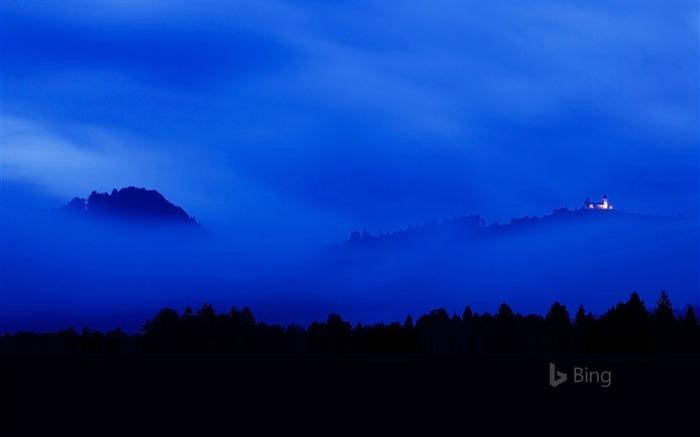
[{"x": 475, "y": 225}]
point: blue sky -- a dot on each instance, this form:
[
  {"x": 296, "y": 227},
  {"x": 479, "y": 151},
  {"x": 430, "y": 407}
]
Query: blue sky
[{"x": 305, "y": 120}]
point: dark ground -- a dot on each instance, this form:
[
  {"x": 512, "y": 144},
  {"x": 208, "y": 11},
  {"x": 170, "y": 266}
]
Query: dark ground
[{"x": 302, "y": 391}]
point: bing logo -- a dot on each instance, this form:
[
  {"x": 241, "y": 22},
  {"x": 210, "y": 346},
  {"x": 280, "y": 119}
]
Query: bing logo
[{"x": 581, "y": 375}]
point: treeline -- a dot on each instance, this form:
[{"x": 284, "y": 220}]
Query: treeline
[
  {"x": 467, "y": 225},
  {"x": 626, "y": 328}
]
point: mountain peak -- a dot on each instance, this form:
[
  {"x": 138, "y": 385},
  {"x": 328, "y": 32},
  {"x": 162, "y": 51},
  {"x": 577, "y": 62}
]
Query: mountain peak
[{"x": 130, "y": 204}]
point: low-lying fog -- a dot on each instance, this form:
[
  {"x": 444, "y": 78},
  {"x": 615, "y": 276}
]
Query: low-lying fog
[{"x": 58, "y": 271}]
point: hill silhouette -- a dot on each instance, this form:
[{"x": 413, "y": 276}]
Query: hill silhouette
[
  {"x": 587, "y": 254},
  {"x": 130, "y": 205},
  {"x": 474, "y": 225}
]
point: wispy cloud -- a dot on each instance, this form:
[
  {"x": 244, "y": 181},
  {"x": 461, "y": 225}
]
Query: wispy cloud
[{"x": 65, "y": 166}]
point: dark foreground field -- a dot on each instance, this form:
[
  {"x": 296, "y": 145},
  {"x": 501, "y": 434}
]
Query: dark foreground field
[{"x": 282, "y": 392}]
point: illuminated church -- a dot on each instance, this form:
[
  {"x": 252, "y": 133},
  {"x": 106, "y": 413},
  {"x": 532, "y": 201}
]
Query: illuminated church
[{"x": 587, "y": 204}]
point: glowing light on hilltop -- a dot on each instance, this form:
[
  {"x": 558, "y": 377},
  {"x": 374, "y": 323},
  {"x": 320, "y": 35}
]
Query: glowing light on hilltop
[{"x": 597, "y": 205}]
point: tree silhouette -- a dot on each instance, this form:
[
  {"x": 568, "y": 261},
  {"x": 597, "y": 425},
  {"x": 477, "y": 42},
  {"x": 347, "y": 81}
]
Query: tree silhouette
[
  {"x": 636, "y": 328},
  {"x": 503, "y": 333},
  {"x": 76, "y": 206},
  {"x": 206, "y": 312},
  {"x": 467, "y": 330},
  {"x": 663, "y": 323},
  {"x": 355, "y": 237},
  {"x": 556, "y": 329},
  {"x": 664, "y": 307},
  {"x": 162, "y": 331},
  {"x": 582, "y": 338},
  {"x": 241, "y": 327},
  {"x": 205, "y": 328},
  {"x": 625, "y": 327},
  {"x": 504, "y": 310},
  {"x": 433, "y": 330},
  {"x": 247, "y": 317},
  {"x": 690, "y": 319},
  {"x": 333, "y": 335},
  {"x": 690, "y": 332},
  {"x": 115, "y": 342}
]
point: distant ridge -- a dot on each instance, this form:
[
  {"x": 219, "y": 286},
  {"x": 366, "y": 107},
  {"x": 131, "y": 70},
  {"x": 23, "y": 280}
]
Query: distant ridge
[
  {"x": 132, "y": 205},
  {"x": 475, "y": 224}
]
